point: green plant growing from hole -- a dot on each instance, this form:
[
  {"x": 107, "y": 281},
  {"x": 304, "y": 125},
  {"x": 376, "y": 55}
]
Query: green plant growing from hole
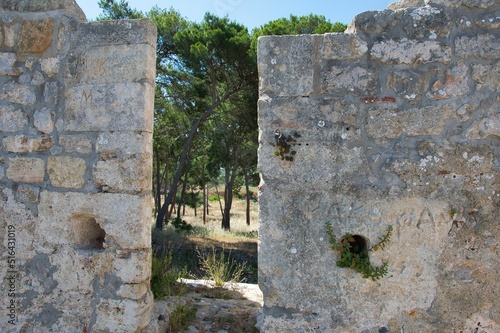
[
  {"x": 284, "y": 144},
  {"x": 354, "y": 253}
]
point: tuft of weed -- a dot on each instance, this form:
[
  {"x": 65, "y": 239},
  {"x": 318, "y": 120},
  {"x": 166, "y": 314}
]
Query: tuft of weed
[
  {"x": 181, "y": 316},
  {"x": 164, "y": 277},
  {"x": 219, "y": 267}
]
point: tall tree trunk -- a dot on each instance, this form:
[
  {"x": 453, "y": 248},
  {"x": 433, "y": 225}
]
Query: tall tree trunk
[
  {"x": 247, "y": 189},
  {"x": 181, "y": 200},
  {"x": 228, "y": 199},
  {"x": 203, "y": 185},
  {"x": 208, "y": 192},
  {"x": 220, "y": 202},
  {"x": 195, "y": 203}
]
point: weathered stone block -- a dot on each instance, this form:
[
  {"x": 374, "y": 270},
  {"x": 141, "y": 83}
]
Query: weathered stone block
[
  {"x": 342, "y": 47},
  {"x": 23, "y": 144},
  {"x": 10, "y": 30},
  {"x": 50, "y": 66},
  {"x": 27, "y": 193},
  {"x": 135, "y": 291},
  {"x": 277, "y": 75},
  {"x": 106, "y": 33},
  {"x": 391, "y": 123},
  {"x": 134, "y": 267},
  {"x": 37, "y": 79},
  {"x": 18, "y": 93},
  {"x": 454, "y": 84},
  {"x": 407, "y": 83},
  {"x": 483, "y": 128},
  {"x": 36, "y": 36},
  {"x": 12, "y": 119},
  {"x": 111, "y": 143},
  {"x": 426, "y": 23},
  {"x": 487, "y": 76},
  {"x": 486, "y": 46},
  {"x": 410, "y": 52},
  {"x": 346, "y": 79},
  {"x": 122, "y": 315},
  {"x": 45, "y": 5},
  {"x": 76, "y": 144},
  {"x": 121, "y": 216},
  {"x": 7, "y": 66},
  {"x": 43, "y": 120},
  {"x": 125, "y": 175},
  {"x": 66, "y": 171},
  {"x": 489, "y": 21},
  {"x": 51, "y": 93},
  {"x": 114, "y": 64},
  {"x": 26, "y": 169},
  {"x": 88, "y": 107},
  {"x": 375, "y": 22},
  {"x": 298, "y": 219}
]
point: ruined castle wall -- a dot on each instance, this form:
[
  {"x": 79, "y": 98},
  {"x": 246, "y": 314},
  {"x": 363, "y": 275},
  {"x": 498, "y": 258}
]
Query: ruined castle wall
[
  {"x": 395, "y": 123},
  {"x": 76, "y": 114}
]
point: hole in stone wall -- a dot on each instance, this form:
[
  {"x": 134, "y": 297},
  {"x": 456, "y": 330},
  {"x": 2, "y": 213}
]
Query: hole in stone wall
[
  {"x": 87, "y": 234},
  {"x": 358, "y": 244}
]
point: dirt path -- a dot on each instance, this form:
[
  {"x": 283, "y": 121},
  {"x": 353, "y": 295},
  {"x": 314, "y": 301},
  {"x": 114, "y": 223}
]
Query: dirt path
[{"x": 233, "y": 308}]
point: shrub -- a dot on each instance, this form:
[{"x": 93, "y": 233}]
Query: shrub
[
  {"x": 181, "y": 226},
  {"x": 214, "y": 197},
  {"x": 164, "y": 277}
]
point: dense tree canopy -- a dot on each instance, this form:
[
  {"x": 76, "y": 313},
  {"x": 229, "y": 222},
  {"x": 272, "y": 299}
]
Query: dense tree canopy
[{"x": 206, "y": 102}]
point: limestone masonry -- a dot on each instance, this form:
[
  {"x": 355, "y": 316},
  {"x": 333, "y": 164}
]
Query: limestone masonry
[
  {"x": 395, "y": 123},
  {"x": 76, "y": 115}
]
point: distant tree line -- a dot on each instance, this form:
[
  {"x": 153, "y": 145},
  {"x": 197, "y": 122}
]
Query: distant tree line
[{"x": 206, "y": 95}]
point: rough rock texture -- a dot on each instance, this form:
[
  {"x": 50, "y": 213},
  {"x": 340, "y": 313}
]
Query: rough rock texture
[
  {"x": 76, "y": 116},
  {"x": 396, "y": 123}
]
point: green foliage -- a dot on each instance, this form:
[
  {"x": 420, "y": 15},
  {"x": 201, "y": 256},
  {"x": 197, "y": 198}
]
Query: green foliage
[
  {"x": 382, "y": 242},
  {"x": 179, "y": 319},
  {"x": 113, "y": 10},
  {"x": 164, "y": 277},
  {"x": 219, "y": 267},
  {"x": 180, "y": 225},
  {"x": 193, "y": 199},
  {"x": 214, "y": 197},
  {"x": 354, "y": 257},
  {"x": 296, "y": 25}
]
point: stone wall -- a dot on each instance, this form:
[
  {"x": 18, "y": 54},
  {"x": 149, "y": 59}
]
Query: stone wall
[
  {"x": 395, "y": 123},
  {"x": 76, "y": 113}
]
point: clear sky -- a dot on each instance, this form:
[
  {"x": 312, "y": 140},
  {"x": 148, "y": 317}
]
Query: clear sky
[{"x": 252, "y": 13}]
